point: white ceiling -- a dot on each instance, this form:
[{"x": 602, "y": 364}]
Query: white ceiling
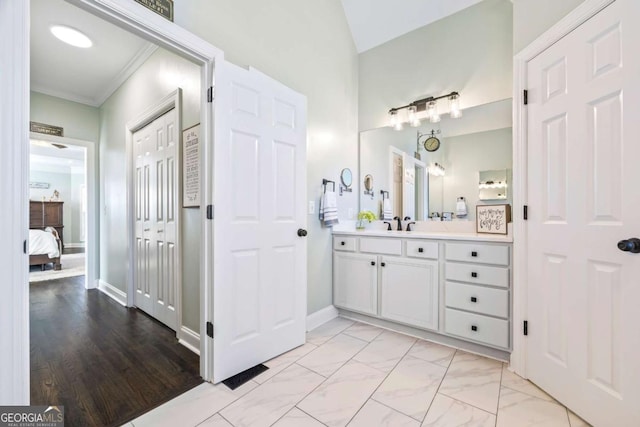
[
  {"x": 47, "y": 158},
  {"x": 88, "y": 76},
  {"x": 374, "y": 22}
]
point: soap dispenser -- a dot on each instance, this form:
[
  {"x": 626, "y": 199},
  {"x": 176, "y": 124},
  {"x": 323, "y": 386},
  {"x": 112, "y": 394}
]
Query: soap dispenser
[{"x": 461, "y": 208}]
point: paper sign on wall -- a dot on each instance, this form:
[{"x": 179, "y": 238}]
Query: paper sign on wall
[{"x": 191, "y": 167}]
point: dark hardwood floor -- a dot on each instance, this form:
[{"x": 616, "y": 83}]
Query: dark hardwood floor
[{"x": 105, "y": 363}]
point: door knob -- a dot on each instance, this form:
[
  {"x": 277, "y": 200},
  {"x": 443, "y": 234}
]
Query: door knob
[
  {"x": 302, "y": 232},
  {"x": 630, "y": 245}
]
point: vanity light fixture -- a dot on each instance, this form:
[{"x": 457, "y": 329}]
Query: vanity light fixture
[
  {"x": 436, "y": 169},
  {"x": 395, "y": 121},
  {"x": 429, "y": 106},
  {"x": 414, "y": 121},
  {"x": 71, "y": 36}
]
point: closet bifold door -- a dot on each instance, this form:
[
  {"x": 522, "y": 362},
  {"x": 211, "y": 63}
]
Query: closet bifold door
[{"x": 156, "y": 180}]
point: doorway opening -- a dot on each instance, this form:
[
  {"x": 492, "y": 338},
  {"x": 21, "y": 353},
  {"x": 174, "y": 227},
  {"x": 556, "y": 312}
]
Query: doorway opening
[
  {"x": 97, "y": 92},
  {"x": 58, "y": 212}
]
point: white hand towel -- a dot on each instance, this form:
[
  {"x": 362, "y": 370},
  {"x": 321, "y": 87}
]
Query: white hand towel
[
  {"x": 329, "y": 209},
  {"x": 387, "y": 210},
  {"x": 461, "y": 208}
]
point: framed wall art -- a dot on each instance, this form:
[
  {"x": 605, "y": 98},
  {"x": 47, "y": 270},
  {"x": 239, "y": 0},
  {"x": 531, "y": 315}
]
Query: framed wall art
[
  {"x": 492, "y": 219},
  {"x": 191, "y": 167}
]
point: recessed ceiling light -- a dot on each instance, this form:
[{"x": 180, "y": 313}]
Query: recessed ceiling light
[{"x": 71, "y": 36}]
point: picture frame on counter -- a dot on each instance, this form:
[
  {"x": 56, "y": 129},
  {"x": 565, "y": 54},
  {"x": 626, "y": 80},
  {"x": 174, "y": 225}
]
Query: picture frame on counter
[
  {"x": 191, "y": 167},
  {"x": 493, "y": 219}
]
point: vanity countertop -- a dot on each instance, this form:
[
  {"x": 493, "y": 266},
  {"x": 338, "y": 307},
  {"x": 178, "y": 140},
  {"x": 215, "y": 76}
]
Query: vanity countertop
[{"x": 426, "y": 230}]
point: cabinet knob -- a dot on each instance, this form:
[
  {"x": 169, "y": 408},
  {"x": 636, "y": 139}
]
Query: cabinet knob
[
  {"x": 474, "y": 328},
  {"x": 474, "y": 299},
  {"x": 373, "y": 263},
  {"x": 474, "y": 254},
  {"x": 474, "y": 274},
  {"x": 383, "y": 264},
  {"x": 343, "y": 243},
  {"x": 420, "y": 250}
]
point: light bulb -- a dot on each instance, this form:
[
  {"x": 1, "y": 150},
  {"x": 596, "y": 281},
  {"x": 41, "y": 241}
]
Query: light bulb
[
  {"x": 432, "y": 111},
  {"x": 394, "y": 120},
  {"x": 454, "y": 106},
  {"x": 414, "y": 121}
]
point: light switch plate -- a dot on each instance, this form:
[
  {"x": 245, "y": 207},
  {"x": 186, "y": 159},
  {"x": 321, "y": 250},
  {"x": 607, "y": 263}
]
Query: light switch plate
[{"x": 312, "y": 207}]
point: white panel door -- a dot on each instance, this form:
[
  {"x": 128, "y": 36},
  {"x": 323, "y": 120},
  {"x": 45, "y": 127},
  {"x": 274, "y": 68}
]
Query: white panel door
[
  {"x": 584, "y": 197},
  {"x": 156, "y": 181},
  {"x": 259, "y": 191}
]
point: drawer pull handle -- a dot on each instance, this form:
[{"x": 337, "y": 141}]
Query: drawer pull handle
[
  {"x": 474, "y": 328},
  {"x": 420, "y": 250},
  {"x": 383, "y": 264},
  {"x": 342, "y": 243},
  {"x": 474, "y": 274},
  {"x": 373, "y": 263},
  {"x": 474, "y": 299},
  {"x": 474, "y": 254}
]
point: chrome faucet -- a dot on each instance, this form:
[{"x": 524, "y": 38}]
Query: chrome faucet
[{"x": 399, "y": 223}]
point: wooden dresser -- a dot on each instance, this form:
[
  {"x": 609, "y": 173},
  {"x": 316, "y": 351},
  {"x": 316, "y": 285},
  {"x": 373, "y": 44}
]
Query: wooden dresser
[{"x": 47, "y": 214}]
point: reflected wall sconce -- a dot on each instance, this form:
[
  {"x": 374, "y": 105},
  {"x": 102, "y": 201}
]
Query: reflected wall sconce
[
  {"x": 427, "y": 108},
  {"x": 436, "y": 169}
]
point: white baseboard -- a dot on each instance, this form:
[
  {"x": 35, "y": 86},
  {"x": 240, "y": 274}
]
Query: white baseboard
[
  {"x": 320, "y": 317},
  {"x": 74, "y": 245},
  {"x": 189, "y": 339},
  {"x": 113, "y": 292}
]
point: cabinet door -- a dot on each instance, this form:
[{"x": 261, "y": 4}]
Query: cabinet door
[
  {"x": 355, "y": 282},
  {"x": 409, "y": 291},
  {"x": 53, "y": 214},
  {"x": 35, "y": 214}
]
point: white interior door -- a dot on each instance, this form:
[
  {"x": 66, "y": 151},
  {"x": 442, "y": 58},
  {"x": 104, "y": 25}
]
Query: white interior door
[
  {"x": 260, "y": 185},
  {"x": 156, "y": 207},
  {"x": 583, "y": 147}
]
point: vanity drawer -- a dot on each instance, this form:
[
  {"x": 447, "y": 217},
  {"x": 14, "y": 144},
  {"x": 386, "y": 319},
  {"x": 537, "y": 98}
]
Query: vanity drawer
[
  {"x": 381, "y": 246},
  {"x": 494, "y": 302},
  {"x": 473, "y": 273},
  {"x": 477, "y": 252},
  {"x": 422, "y": 249},
  {"x": 477, "y": 327},
  {"x": 344, "y": 243}
]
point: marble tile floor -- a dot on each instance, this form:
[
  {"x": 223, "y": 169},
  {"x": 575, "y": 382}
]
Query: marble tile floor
[{"x": 357, "y": 375}]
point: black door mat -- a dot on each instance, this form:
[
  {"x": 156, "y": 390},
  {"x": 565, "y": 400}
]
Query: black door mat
[{"x": 238, "y": 379}]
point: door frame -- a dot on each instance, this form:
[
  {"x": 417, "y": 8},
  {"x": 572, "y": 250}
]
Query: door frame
[
  {"x": 14, "y": 162},
  {"x": 573, "y": 20},
  {"x": 90, "y": 173},
  {"x": 166, "y": 104},
  {"x": 156, "y": 29}
]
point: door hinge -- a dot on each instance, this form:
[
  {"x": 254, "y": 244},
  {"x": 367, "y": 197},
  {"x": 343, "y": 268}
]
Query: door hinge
[
  {"x": 526, "y": 97},
  {"x": 210, "y": 329},
  {"x": 209, "y": 211},
  {"x": 525, "y": 212},
  {"x": 24, "y": 247},
  {"x": 525, "y": 327},
  {"x": 210, "y": 94}
]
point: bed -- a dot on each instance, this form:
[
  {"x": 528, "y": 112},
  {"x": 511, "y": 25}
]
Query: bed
[{"x": 45, "y": 247}]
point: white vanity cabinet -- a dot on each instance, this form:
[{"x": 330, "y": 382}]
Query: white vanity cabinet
[
  {"x": 477, "y": 282},
  {"x": 356, "y": 279},
  {"x": 371, "y": 276},
  {"x": 409, "y": 291},
  {"x": 452, "y": 290}
]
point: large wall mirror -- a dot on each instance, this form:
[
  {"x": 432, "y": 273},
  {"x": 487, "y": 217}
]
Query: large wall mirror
[{"x": 432, "y": 181}]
